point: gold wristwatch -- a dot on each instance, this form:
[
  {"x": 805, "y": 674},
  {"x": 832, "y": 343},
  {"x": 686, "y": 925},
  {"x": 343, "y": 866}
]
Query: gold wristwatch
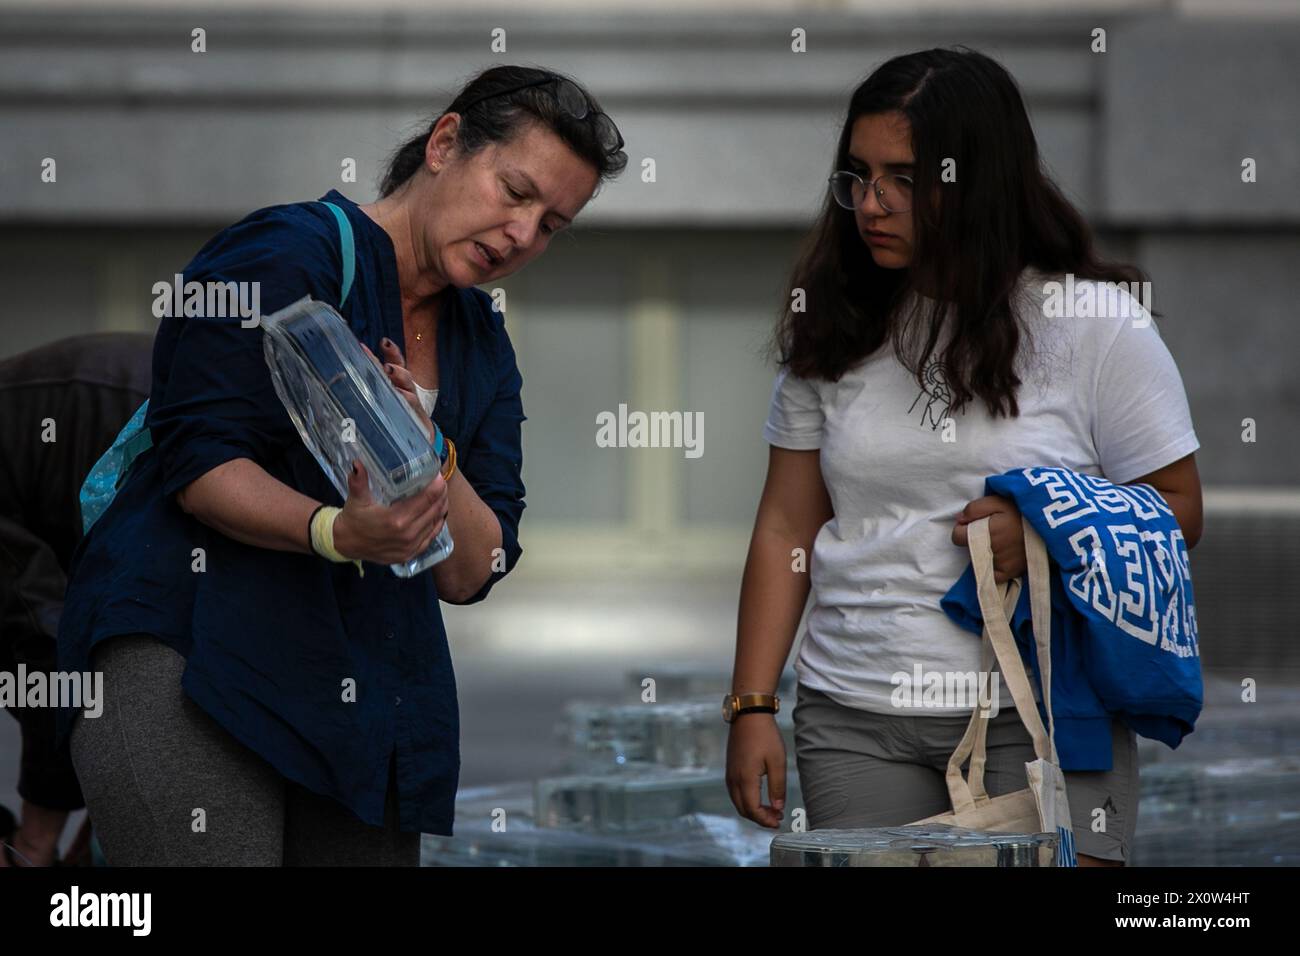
[{"x": 733, "y": 705}]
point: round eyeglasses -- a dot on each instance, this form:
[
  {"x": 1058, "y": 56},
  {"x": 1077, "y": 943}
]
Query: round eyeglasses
[
  {"x": 893, "y": 190},
  {"x": 573, "y": 101}
]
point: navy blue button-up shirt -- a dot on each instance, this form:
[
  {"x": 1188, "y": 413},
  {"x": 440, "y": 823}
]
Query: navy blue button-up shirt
[{"x": 274, "y": 639}]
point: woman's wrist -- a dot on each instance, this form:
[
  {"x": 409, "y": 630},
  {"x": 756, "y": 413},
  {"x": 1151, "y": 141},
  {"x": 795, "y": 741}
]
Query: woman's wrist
[
  {"x": 311, "y": 522},
  {"x": 345, "y": 541},
  {"x": 321, "y": 531}
]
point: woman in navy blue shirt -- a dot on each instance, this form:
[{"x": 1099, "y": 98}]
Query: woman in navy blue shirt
[{"x": 264, "y": 704}]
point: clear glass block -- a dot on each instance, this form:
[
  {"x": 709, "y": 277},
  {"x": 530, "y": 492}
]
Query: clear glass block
[
  {"x": 919, "y": 845},
  {"x": 641, "y": 799},
  {"x": 345, "y": 409}
]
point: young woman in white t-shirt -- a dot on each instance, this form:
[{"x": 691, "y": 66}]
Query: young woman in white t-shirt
[{"x": 923, "y": 350}]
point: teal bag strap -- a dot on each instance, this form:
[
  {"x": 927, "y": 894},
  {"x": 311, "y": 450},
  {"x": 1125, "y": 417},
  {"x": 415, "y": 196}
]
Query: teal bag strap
[
  {"x": 348, "y": 250},
  {"x": 139, "y": 442}
]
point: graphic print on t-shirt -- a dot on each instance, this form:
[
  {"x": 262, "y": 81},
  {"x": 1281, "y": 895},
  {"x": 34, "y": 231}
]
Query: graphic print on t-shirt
[{"x": 936, "y": 391}]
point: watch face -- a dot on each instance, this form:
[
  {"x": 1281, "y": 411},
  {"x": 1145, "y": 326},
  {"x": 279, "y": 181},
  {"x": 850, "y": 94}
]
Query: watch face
[{"x": 728, "y": 707}]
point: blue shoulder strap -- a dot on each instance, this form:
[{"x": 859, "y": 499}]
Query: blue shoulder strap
[{"x": 348, "y": 250}]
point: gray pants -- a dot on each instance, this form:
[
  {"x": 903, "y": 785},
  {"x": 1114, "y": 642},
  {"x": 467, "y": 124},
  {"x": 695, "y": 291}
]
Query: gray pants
[
  {"x": 165, "y": 785},
  {"x": 863, "y": 769}
]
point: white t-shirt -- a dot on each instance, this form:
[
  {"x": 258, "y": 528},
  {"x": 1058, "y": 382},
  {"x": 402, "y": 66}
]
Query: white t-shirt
[{"x": 1100, "y": 396}]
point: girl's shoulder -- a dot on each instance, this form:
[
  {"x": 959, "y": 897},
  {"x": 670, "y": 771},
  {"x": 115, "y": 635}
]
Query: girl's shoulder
[
  {"x": 1091, "y": 313},
  {"x": 1056, "y": 295}
]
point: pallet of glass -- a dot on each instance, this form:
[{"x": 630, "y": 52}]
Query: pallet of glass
[{"x": 929, "y": 845}]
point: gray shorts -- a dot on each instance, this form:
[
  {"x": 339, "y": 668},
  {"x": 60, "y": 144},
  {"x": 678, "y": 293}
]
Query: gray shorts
[{"x": 863, "y": 769}]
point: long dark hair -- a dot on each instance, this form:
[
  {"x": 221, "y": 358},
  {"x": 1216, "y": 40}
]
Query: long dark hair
[
  {"x": 1002, "y": 215},
  {"x": 498, "y": 119}
]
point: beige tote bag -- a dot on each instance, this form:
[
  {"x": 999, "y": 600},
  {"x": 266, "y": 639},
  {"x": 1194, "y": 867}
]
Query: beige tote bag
[{"x": 1042, "y": 807}]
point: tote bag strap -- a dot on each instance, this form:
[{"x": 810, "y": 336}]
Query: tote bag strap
[
  {"x": 972, "y": 743},
  {"x": 977, "y": 729},
  {"x": 997, "y": 632},
  {"x": 1040, "y": 607}
]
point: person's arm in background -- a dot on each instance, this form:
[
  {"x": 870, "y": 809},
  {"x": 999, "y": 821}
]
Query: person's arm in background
[
  {"x": 31, "y": 585},
  {"x": 792, "y": 509}
]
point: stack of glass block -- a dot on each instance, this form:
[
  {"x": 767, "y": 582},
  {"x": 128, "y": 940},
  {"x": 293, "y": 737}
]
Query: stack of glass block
[
  {"x": 1229, "y": 795},
  {"x": 624, "y": 801},
  {"x": 495, "y": 826},
  {"x": 1234, "y": 812},
  {"x": 644, "y": 785},
  {"x": 606, "y": 737},
  {"x": 930, "y": 845},
  {"x": 681, "y": 728}
]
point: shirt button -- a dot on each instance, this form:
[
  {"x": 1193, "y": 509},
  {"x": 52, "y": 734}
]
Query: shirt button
[
  {"x": 399, "y": 701},
  {"x": 388, "y": 636}
]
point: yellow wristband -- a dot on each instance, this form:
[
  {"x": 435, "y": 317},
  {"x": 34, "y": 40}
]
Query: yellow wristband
[{"x": 322, "y": 536}]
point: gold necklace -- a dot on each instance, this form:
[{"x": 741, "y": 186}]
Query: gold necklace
[{"x": 419, "y": 336}]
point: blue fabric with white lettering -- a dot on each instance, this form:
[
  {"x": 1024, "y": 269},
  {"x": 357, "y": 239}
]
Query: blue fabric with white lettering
[{"x": 1124, "y": 636}]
